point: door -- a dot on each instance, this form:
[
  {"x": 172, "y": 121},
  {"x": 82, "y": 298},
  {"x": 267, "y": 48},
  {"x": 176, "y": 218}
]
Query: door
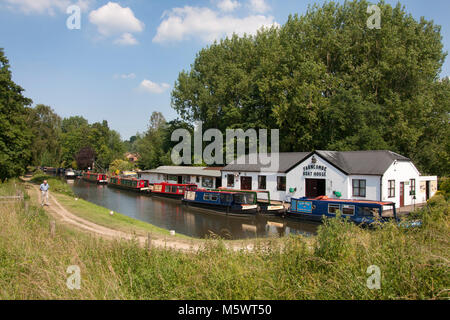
[
  {"x": 246, "y": 183},
  {"x": 315, "y": 188},
  {"x": 428, "y": 190},
  {"x": 180, "y": 179},
  {"x": 218, "y": 183},
  {"x": 402, "y": 194}
]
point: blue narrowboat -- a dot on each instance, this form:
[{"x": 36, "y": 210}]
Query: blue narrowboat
[
  {"x": 359, "y": 212},
  {"x": 265, "y": 205},
  {"x": 232, "y": 203}
]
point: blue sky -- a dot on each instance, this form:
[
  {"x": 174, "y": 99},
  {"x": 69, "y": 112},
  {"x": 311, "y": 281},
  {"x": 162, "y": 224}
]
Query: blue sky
[{"x": 122, "y": 63}]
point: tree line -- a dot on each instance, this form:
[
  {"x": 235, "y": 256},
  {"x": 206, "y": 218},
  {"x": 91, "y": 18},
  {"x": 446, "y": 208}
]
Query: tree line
[{"x": 328, "y": 82}]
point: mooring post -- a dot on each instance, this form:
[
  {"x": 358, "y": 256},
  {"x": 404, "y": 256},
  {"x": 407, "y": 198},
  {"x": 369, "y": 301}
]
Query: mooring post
[{"x": 52, "y": 228}]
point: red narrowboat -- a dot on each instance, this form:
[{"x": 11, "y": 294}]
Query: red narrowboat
[
  {"x": 99, "y": 178},
  {"x": 170, "y": 190},
  {"x": 132, "y": 184}
]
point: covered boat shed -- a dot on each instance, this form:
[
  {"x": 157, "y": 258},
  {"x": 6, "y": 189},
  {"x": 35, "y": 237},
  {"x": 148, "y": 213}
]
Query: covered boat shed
[{"x": 359, "y": 175}]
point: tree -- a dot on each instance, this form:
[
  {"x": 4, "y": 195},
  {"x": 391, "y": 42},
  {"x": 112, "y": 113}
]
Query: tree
[
  {"x": 46, "y": 128},
  {"x": 120, "y": 165},
  {"x": 85, "y": 158},
  {"x": 327, "y": 81},
  {"x": 15, "y": 134}
]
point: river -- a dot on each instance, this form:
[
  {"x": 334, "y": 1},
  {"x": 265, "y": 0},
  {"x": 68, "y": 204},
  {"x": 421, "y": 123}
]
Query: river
[{"x": 172, "y": 215}]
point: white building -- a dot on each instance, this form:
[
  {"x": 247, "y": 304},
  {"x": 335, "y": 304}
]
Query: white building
[
  {"x": 360, "y": 175},
  {"x": 201, "y": 176}
]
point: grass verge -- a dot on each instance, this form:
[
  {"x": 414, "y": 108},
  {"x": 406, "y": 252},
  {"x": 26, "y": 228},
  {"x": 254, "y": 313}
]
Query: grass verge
[{"x": 414, "y": 263}]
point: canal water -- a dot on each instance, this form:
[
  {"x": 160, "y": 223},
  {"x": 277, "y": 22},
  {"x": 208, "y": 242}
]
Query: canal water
[{"x": 172, "y": 215}]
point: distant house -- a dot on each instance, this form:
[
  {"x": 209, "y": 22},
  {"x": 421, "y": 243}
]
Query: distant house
[
  {"x": 132, "y": 157},
  {"x": 201, "y": 176},
  {"x": 360, "y": 175}
]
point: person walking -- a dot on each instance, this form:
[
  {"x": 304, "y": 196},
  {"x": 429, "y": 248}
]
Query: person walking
[{"x": 44, "y": 190}]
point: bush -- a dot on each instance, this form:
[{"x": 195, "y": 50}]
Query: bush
[{"x": 56, "y": 184}]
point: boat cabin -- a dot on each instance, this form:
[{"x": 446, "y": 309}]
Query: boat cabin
[
  {"x": 224, "y": 201},
  {"x": 172, "y": 190},
  {"x": 99, "y": 178},
  {"x": 360, "y": 212},
  {"x": 129, "y": 183}
]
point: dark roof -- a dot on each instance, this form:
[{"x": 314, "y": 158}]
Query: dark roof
[{"x": 349, "y": 162}]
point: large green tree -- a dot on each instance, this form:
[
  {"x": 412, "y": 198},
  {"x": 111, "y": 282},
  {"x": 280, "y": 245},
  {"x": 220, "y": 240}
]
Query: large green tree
[
  {"x": 327, "y": 81},
  {"x": 15, "y": 135},
  {"x": 45, "y": 125}
]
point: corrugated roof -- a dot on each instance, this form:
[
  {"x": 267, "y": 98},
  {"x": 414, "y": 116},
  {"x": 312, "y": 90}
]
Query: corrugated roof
[
  {"x": 185, "y": 171},
  {"x": 349, "y": 162}
]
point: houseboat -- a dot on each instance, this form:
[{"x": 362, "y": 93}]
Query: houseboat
[
  {"x": 169, "y": 190},
  {"x": 229, "y": 202},
  {"x": 359, "y": 212},
  {"x": 262, "y": 199},
  {"x": 99, "y": 178},
  {"x": 69, "y": 174},
  {"x": 138, "y": 185}
]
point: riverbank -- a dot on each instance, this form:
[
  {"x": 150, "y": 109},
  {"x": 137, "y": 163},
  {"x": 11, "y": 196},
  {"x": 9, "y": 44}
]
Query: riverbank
[{"x": 414, "y": 263}]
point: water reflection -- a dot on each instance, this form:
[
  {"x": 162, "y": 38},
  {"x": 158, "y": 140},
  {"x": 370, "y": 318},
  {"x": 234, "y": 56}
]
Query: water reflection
[{"x": 172, "y": 215}]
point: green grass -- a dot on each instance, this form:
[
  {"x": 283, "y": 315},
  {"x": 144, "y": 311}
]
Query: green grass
[
  {"x": 414, "y": 263},
  {"x": 101, "y": 216}
]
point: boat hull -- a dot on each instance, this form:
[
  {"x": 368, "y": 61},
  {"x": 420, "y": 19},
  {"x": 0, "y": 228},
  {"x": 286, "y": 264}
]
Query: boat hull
[
  {"x": 137, "y": 190},
  {"x": 222, "y": 209}
]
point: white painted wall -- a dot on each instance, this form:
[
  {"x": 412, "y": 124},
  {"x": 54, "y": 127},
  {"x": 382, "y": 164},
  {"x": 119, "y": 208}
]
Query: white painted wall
[
  {"x": 402, "y": 171},
  {"x": 158, "y": 178}
]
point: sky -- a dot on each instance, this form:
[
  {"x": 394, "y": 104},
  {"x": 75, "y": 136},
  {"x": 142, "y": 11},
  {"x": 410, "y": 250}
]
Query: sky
[{"x": 122, "y": 60}]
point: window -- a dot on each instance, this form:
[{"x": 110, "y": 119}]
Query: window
[
  {"x": 262, "y": 182},
  {"x": 214, "y": 197},
  {"x": 207, "y": 197},
  {"x": 333, "y": 208},
  {"x": 359, "y": 188},
  {"x": 369, "y": 212},
  {"x": 391, "y": 188},
  {"x": 173, "y": 189},
  {"x": 226, "y": 198},
  {"x": 207, "y": 182},
  {"x": 413, "y": 187},
  {"x": 230, "y": 180},
  {"x": 197, "y": 179},
  {"x": 348, "y": 210},
  {"x": 281, "y": 183}
]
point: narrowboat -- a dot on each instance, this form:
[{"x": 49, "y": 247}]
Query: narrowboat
[
  {"x": 99, "y": 178},
  {"x": 69, "y": 174},
  {"x": 138, "y": 185},
  {"x": 169, "y": 190},
  {"x": 359, "y": 212},
  {"x": 229, "y": 202},
  {"x": 266, "y": 206}
]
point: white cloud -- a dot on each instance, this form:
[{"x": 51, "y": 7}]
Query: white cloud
[
  {"x": 259, "y": 6},
  {"x": 45, "y": 6},
  {"x": 113, "y": 20},
  {"x": 228, "y": 5},
  {"x": 125, "y": 76},
  {"x": 152, "y": 87},
  {"x": 188, "y": 22},
  {"x": 126, "y": 39}
]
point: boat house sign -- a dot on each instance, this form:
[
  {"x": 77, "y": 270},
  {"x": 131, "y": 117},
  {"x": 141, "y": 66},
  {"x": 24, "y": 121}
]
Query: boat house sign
[{"x": 314, "y": 170}]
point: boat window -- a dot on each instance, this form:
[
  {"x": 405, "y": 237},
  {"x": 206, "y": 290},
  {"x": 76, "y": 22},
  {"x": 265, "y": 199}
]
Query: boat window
[
  {"x": 225, "y": 198},
  {"x": 333, "y": 208},
  {"x": 181, "y": 189},
  {"x": 244, "y": 198},
  {"x": 348, "y": 210},
  {"x": 207, "y": 197},
  {"x": 214, "y": 197},
  {"x": 369, "y": 212},
  {"x": 173, "y": 189}
]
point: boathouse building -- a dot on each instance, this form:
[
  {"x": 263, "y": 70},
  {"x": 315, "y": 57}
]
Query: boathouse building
[
  {"x": 203, "y": 177},
  {"x": 360, "y": 175}
]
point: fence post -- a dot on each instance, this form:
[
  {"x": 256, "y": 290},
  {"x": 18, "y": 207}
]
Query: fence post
[
  {"x": 149, "y": 242},
  {"x": 52, "y": 228}
]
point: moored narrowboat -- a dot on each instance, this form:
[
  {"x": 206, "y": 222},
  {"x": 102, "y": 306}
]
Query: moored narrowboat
[
  {"x": 138, "y": 185},
  {"x": 69, "y": 174},
  {"x": 230, "y": 202},
  {"x": 359, "y": 212},
  {"x": 265, "y": 204},
  {"x": 169, "y": 190},
  {"x": 99, "y": 178}
]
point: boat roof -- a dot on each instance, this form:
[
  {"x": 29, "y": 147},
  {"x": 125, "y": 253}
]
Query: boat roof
[
  {"x": 326, "y": 199},
  {"x": 177, "y": 184}
]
